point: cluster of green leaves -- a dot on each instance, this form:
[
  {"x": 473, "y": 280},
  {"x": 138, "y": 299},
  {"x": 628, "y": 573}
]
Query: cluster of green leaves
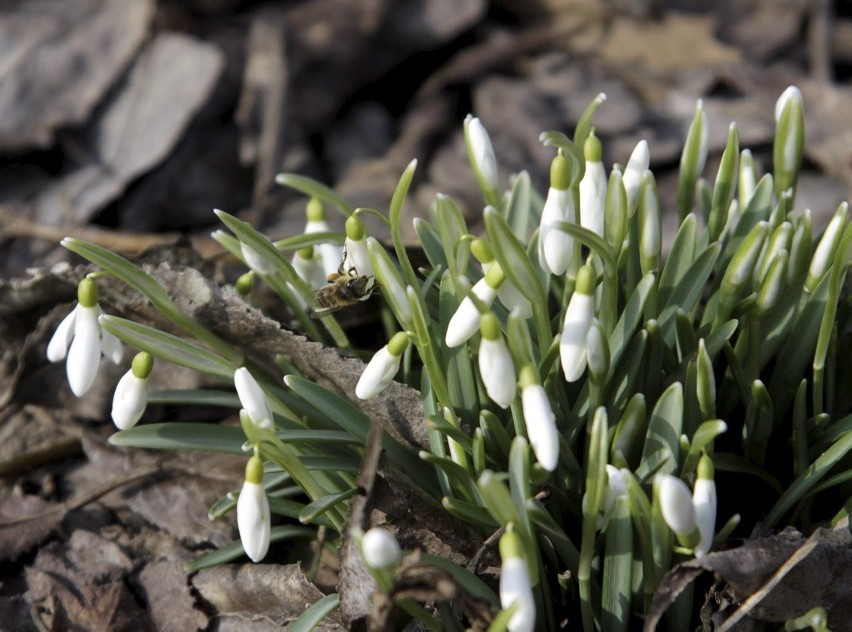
[{"x": 729, "y": 346}]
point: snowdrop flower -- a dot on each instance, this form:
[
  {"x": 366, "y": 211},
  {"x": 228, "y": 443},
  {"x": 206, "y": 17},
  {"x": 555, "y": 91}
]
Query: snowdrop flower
[
  {"x": 556, "y": 248},
  {"x": 382, "y": 368},
  {"x": 355, "y": 251},
  {"x": 639, "y": 161},
  {"x": 515, "y": 583},
  {"x": 495, "y": 363},
  {"x": 576, "y": 325},
  {"x": 597, "y": 351},
  {"x": 539, "y": 419},
  {"x": 380, "y": 549},
  {"x": 507, "y": 294},
  {"x": 131, "y": 393},
  {"x": 704, "y": 502},
  {"x": 255, "y": 260},
  {"x": 253, "y": 517},
  {"x": 826, "y": 248},
  {"x": 465, "y": 322},
  {"x": 678, "y": 510},
  {"x": 789, "y": 138},
  {"x": 616, "y": 487},
  {"x": 308, "y": 265},
  {"x": 81, "y": 338},
  {"x": 593, "y": 188},
  {"x": 481, "y": 155},
  {"x": 329, "y": 254},
  {"x": 253, "y": 399}
]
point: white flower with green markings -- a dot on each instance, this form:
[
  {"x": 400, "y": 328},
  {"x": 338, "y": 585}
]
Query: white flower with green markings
[
  {"x": 131, "y": 392},
  {"x": 253, "y": 516},
  {"x": 481, "y": 154},
  {"x": 328, "y": 254},
  {"x": 253, "y": 399},
  {"x": 81, "y": 339},
  {"x": 539, "y": 419},
  {"x": 575, "y": 326},
  {"x": 465, "y": 321},
  {"x": 555, "y": 247},
  {"x": 593, "y": 188},
  {"x": 515, "y": 587},
  {"x": 495, "y": 363},
  {"x": 382, "y": 367}
]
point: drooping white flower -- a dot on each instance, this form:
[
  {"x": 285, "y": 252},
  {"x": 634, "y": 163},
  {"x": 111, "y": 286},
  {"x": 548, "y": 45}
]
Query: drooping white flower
[
  {"x": 255, "y": 260},
  {"x": 357, "y": 257},
  {"x": 465, "y": 322},
  {"x": 515, "y": 584},
  {"x": 131, "y": 392},
  {"x": 507, "y": 294},
  {"x": 253, "y": 516},
  {"x": 593, "y": 188},
  {"x": 639, "y": 161},
  {"x": 555, "y": 247},
  {"x": 328, "y": 253},
  {"x": 308, "y": 265},
  {"x": 81, "y": 338},
  {"x": 253, "y": 399},
  {"x": 495, "y": 363},
  {"x": 481, "y": 153},
  {"x": 576, "y": 324},
  {"x": 704, "y": 502},
  {"x": 540, "y": 420},
  {"x": 380, "y": 549},
  {"x": 677, "y": 508},
  {"x": 616, "y": 487},
  {"x": 382, "y": 367}
]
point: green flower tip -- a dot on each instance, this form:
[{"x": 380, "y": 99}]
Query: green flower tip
[
  {"x": 560, "y": 173},
  {"x": 306, "y": 253},
  {"x": 495, "y": 276},
  {"x": 254, "y": 470},
  {"x": 481, "y": 250},
  {"x": 528, "y": 377},
  {"x": 315, "y": 211},
  {"x": 245, "y": 283},
  {"x": 705, "y": 468},
  {"x": 511, "y": 545},
  {"x": 586, "y": 280},
  {"x": 592, "y": 149},
  {"x": 87, "y": 292},
  {"x": 355, "y": 228},
  {"x": 398, "y": 344},
  {"x": 142, "y": 364},
  {"x": 490, "y": 326}
]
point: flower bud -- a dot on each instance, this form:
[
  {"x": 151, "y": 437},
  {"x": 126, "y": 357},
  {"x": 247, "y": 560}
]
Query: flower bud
[
  {"x": 704, "y": 502},
  {"x": 253, "y": 399},
  {"x": 650, "y": 227},
  {"x": 380, "y": 549},
  {"x": 826, "y": 248},
  {"x": 515, "y": 583},
  {"x": 556, "y": 248},
  {"x": 382, "y": 368},
  {"x": 495, "y": 363},
  {"x": 540, "y": 420},
  {"x": 131, "y": 392},
  {"x": 329, "y": 255},
  {"x": 677, "y": 508},
  {"x": 480, "y": 153},
  {"x": 253, "y": 516},
  {"x": 576, "y": 324},
  {"x": 593, "y": 188},
  {"x": 465, "y": 322},
  {"x": 638, "y": 164},
  {"x": 789, "y": 139}
]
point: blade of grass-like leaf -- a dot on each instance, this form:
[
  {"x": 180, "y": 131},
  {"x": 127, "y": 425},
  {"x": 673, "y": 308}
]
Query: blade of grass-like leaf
[
  {"x": 297, "y": 242},
  {"x": 320, "y": 506},
  {"x": 662, "y": 443},
  {"x": 168, "y": 347},
  {"x": 234, "y": 550},
  {"x": 548, "y": 526},
  {"x": 470, "y": 512},
  {"x": 314, "y": 614},
  {"x": 686, "y": 294},
  {"x": 519, "y": 207},
  {"x": 395, "y": 216},
  {"x": 312, "y": 188},
  {"x": 136, "y": 278},
  {"x": 430, "y": 242},
  {"x": 584, "y": 124},
  {"x": 620, "y": 385},
  {"x": 182, "y": 436},
  {"x": 809, "y": 478},
  {"x": 617, "y": 569},
  {"x": 728, "y": 462},
  {"x": 463, "y": 481},
  {"x": 196, "y": 397},
  {"x": 704, "y": 434},
  {"x": 680, "y": 257},
  {"x": 293, "y": 509},
  {"x": 330, "y": 463},
  {"x": 596, "y": 487},
  {"x": 630, "y": 319},
  {"x": 443, "y": 426},
  {"x": 467, "y": 580},
  {"x": 572, "y": 151}
]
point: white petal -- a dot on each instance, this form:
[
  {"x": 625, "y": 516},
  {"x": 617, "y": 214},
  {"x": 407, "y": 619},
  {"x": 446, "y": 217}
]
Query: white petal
[
  {"x": 555, "y": 246},
  {"x": 676, "y": 504},
  {"x": 465, "y": 322},
  {"x": 575, "y": 330},
  {"x": 111, "y": 346},
  {"x": 791, "y": 93},
  {"x": 636, "y": 166},
  {"x": 378, "y": 374},
  {"x": 253, "y": 520},
  {"x": 593, "y": 197},
  {"x": 252, "y": 398},
  {"x": 255, "y": 261},
  {"x": 541, "y": 426},
  {"x": 515, "y": 586},
  {"x": 497, "y": 371},
  {"x": 129, "y": 401},
  {"x": 84, "y": 354},
  {"x": 380, "y": 549},
  {"x": 311, "y": 271},
  {"x": 57, "y": 348},
  {"x": 358, "y": 257},
  {"x": 483, "y": 152},
  {"x": 704, "y": 501}
]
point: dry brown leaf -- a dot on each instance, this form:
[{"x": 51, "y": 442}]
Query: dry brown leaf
[
  {"x": 59, "y": 58},
  {"x": 137, "y": 128},
  {"x": 168, "y": 598}
]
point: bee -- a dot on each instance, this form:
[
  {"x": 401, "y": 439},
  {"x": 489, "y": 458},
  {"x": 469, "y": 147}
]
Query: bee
[{"x": 345, "y": 288}]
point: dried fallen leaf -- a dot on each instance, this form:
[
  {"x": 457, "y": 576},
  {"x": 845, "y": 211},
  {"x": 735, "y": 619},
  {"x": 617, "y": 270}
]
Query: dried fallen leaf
[{"x": 59, "y": 59}]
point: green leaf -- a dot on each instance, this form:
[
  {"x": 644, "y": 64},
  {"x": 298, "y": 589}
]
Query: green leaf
[
  {"x": 686, "y": 294},
  {"x": 320, "y": 506},
  {"x": 312, "y": 188},
  {"x": 630, "y": 319},
  {"x": 196, "y": 397},
  {"x": 626, "y": 372},
  {"x": 470, "y": 512},
  {"x": 462, "y": 479},
  {"x": 234, "y": 550},
  {"x": 468, "y": 581},
  {"x": 314, "y": 614},
  {"x": 430, "y": 242},
  {"x": 305, "y": 240},
  {"x": 182, "y": 436},
  {"x": 395, "y": 217},
  {"x": 662, "y": 443},
  {"x": 584, "y": 124},
  {"x": 679, "y": 260},
  {"x": 705, "y": 434},
  {"x": 519, "y": 211},
  {"x": 451, "y": 228},
  {"x": 617, "y": 569}
]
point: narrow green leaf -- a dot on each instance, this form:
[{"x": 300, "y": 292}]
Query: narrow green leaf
[
  {"x": 467, "y": 580},
  {"x": 584, "y": 124},
  {"x": 630, "y": 319},
  {"x": 680, "y": 258},
  {"x": 314, "y": 614},
  {"x": 312, "y": 188},
  {"x": 519, "y": 209},
  {"x": 182, "y": 436},
  {"x": 704, "y": 435},
  {"x": 470, "y": 512},
  {"x": 320, "y": 506},
  {"x": 234, "y": 550},
  {"x": 617, "y": 569},
  {"x": 662, "y": 444},
  {"x": 196, "y": 397},
  {"x": 572, "y": 151},
  {"x": 430, "y": 242}
]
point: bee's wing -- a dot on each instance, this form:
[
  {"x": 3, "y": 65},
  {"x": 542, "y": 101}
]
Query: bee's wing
[{"x": 322, "y": 312}]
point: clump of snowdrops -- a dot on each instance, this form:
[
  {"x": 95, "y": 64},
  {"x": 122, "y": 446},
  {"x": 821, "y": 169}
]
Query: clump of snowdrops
[{"x": 595, "y": 407}]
